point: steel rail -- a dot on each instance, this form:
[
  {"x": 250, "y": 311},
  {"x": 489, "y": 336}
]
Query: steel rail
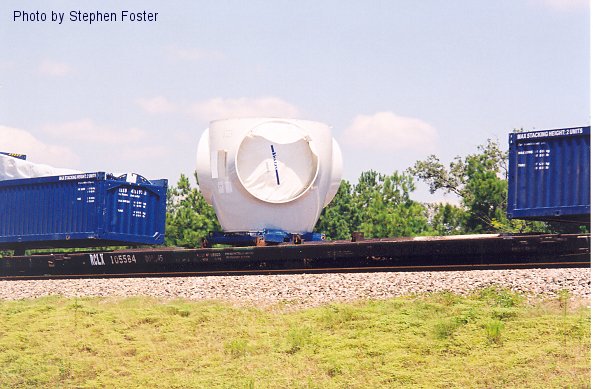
[{"x": 365, "y": 269}]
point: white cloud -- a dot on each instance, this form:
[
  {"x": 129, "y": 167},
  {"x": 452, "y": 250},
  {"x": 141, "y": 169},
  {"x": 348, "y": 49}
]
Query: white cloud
[
  {"x": 87, "y": 130},
  {"x": 387, "y": 131},
  {"x": 567, "y": 5},
  {"x": 157, "y": 105},
  {"x": 219, "y": 108},
  {"x": 135, "y": 153},
  {"x": 15, "y": 140},
  {"x": 7, "y": 65},
  {"x": 193, "y": 54},
  {"x": 54, "y": 69}
]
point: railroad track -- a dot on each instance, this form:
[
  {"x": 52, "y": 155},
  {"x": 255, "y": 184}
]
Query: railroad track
[{"x": 475, "y": 252}]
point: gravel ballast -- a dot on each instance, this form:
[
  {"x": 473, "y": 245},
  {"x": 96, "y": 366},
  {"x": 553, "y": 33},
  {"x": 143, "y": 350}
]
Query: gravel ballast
[{"x": 306, "y": 290}]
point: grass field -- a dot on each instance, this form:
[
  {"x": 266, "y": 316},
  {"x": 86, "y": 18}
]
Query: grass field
[{"x": 492, "y": 339}]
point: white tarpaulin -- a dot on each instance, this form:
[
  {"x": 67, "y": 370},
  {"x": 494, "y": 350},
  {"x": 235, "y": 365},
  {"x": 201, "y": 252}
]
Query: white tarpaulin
[{"x": 14, "y": 168}]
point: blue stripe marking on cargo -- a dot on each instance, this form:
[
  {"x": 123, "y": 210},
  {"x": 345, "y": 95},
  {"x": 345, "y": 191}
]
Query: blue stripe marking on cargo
[{"x": 275, "y": 164}]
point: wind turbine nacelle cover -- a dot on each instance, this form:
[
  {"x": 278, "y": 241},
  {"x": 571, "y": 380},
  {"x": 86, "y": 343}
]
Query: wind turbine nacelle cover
[{"x": 268, "y": 173}]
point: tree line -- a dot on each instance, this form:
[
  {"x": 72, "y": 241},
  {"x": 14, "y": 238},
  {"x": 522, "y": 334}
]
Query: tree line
[{"x": 380, "y": 205}]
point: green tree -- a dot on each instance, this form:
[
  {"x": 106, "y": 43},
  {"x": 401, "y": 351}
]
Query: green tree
[
  {"x": 378, "y": 205},
  {"x": 386, "y": 207},
  {"x": 446, "y": 219},
  {"x": 189, "y": 217},
  {"x": 480, "y": 180},
  {"x": 485, "y": 189},
  {"x": 341, "y": 216}
]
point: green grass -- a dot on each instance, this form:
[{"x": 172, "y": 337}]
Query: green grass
[{"x": 492, "y": 339}]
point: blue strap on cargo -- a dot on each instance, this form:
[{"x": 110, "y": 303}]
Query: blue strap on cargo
[{"x": 258, "y": 238}]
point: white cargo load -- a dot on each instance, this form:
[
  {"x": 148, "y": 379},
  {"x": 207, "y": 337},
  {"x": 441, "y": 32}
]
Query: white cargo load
[
  {"x": 268, "y": 173},
  {"x": 13, "y": 168}
]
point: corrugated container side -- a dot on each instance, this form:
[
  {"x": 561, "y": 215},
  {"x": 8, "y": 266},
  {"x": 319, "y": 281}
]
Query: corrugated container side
[
  {"x": 90, "y": 209},
  {"x": 550, "y": 175}
]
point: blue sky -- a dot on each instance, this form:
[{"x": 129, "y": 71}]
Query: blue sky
[{"x": 397, "y": 80}]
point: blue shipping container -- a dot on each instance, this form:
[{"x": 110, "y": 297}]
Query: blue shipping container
[
  {"x": 81, "y": 210},
  {"x": 550, "y": 175}
]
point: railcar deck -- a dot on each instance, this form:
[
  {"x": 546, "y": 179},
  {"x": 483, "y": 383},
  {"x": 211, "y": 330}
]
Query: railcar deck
[{"x": 469, "y": 252}]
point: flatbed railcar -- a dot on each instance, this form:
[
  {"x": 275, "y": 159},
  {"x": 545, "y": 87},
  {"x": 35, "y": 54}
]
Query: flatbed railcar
[
  {"x": 102, "y": 210},
  {"x": 401, "y": 254}
]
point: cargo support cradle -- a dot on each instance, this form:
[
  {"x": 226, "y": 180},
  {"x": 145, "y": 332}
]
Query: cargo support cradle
[{"x": 434, "y": 253}]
